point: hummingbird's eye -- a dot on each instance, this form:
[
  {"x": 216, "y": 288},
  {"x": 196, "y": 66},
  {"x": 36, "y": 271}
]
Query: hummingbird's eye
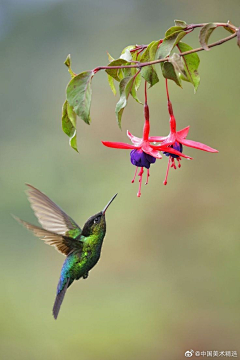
[{"x": 97, "y": 220}]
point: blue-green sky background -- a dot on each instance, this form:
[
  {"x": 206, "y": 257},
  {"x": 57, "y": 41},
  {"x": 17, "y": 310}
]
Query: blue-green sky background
[{"x": 168, "y": 279}]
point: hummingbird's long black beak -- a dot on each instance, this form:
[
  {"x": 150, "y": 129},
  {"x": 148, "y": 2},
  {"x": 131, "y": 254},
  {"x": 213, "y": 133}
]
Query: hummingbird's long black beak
[{"x": 105, "y": 209}]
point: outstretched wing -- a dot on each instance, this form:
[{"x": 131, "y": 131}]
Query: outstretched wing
[
  {"x": 62, "y": 243},
  {"x": 50, "y": 215}
]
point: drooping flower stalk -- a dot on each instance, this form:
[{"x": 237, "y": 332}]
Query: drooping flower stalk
[
  {"x": 143, "y": 153},
  {"x": 176, "y": 140},
  {"x": 146, "y": 131}
]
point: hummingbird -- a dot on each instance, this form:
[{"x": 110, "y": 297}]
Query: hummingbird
[{"x": 82, "y": 247}]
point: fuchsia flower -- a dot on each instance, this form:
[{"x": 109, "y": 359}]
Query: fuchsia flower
[
  {"x": 176, "y": 140},
  {"x": 143, "y": 154}
]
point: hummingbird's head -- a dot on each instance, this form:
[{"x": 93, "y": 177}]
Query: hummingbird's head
[{"x": 96, "y": 224}]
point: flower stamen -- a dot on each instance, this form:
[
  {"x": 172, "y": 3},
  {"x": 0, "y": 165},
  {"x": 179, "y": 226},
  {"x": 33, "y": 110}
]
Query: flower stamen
[
  {"x": 179, "y": 162},
  {"x": 173, "y": 163},
  {"x": 166, "y": 177},
  {"x": 148, "y": 174},
  {"x": 140, "y": 181},
  {"x": 135, "y": 175}
]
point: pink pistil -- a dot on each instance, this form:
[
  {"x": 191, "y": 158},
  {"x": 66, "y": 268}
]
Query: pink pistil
[
  {"x": 165, "y": 181},
  {"x": 140, "y": 182},
  {"x": 179, "y": 162},
  {"x": 148, "y": 174},
  {"x": 135, "y": 175}
]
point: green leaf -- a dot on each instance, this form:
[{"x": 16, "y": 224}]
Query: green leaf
[
  {"x": 178, "y": 64},
  {"x": 134, "y": 90},
  {"x": 111, "y": 84},
  {"x": 136, "y": 57},
  {"x": 152, "y": 49},
  {"x": 205, "y": 33},
  {"x": 116, "y": 73},
  {"x": 150, "y": 75},
  {"x": 229, "y": 29},
  {"x": 129, "y": 47},
  {"x": 126, "y": 55},
  {"x": 67, "y": 62},
  {"x": 73, "y": 141},
  {"x": 172, "y": 30},
  {"x": 169, "y": 43},
  {"x": 180, "y": 23},
  {"x": 69, "y": 124},
  {"x": 148, "y": 72},
  {"x": 125, "y": 88},
  {"x": 125, "y": 73},
  {"x": 113, "y": 73},
  {"x": 169, "y": 72},
  {"x": 71, "y": 115},
  {"x": 137, "y": 81},
  {"x": 110, "y": 58},
  {"x": 149, "y": 53},
  {"x": 191, "y": 63},
  {"x": 79, "y": 94}
]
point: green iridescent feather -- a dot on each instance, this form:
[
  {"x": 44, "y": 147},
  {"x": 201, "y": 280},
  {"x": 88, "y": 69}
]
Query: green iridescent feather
[{"x": 82, "y": 247}]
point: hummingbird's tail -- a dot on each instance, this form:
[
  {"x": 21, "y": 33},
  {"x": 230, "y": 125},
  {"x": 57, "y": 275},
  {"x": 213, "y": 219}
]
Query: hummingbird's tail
[{"x": 59, "y": 299}]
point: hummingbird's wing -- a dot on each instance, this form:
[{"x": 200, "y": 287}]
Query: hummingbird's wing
[
  {"x": 62, "y": 243},
  {"x": 50, "y": 215}
]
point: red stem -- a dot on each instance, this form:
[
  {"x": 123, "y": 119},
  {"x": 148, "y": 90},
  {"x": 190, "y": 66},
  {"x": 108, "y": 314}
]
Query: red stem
[
  {"x": 140, "y": 65},
  {"x": 139, "y": 47},
  {"x": 194, "y": 26},
  {"x": 166, "y": 81},
  {"x": 145, "y": 92},
  {"x": 170, "y": 110},
  {"x": 146, "y": 128}
]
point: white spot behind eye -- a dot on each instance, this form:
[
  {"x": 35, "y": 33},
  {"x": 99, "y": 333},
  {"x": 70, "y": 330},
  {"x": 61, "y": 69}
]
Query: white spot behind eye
[{"x": 96, "y": 220}]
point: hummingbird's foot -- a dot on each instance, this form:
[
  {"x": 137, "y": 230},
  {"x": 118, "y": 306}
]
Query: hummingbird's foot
[{"x": 85, "y": 276}]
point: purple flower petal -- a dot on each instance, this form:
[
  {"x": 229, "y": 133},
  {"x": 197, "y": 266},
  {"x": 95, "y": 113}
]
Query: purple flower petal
[
  {"x": 141, "y": 159},
  {"x": 177, "y": 146}
]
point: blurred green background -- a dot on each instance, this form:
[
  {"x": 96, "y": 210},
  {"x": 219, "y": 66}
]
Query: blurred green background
[{"x": 168, "y": 279}]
